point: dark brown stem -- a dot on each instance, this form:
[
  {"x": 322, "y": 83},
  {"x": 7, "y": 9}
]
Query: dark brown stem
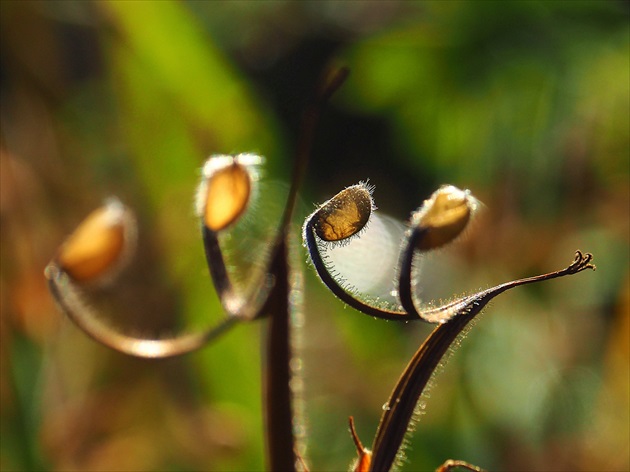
[
  {"x": 331, "y": 82},
  {"x": 215, "y": 262},
  {"x": 413, "y": 381},
  {"x": 278, "y": 394},
  {"x": 405, "y": 285},
  {"x": 334, "y": 287}
]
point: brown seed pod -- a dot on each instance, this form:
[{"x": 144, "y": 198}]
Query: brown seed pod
[
  {"x": 345, "y": 214},
  {"x": 98, "y": 247},
  {"x": 226, "y": 188},
  {"x": 444, "y": 216}
]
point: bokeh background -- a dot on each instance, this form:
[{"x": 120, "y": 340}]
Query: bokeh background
[{"x": 526, "y": 103}]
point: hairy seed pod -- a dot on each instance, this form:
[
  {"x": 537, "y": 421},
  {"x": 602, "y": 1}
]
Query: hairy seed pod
[
  {"x": 444, "y": 216},
  {"x": 227, "y": 195},
  {"x": 345, "y": 214},
  {"x": 98, "y": 246}
]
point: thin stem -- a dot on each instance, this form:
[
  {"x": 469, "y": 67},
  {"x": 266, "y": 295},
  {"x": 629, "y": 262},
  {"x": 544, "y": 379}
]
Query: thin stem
[
  {"x": 402, "y": 402},
  {"x": 452, "y": 464},
  {"x": 334, "y": 287},
  {"x": 216, "y": 263},
  {"x": 67, "y": 296},
  {"x": 331, "y": 82},
  {"x": 405, "y": 284},
  {"x": 355, "y": 436},
  {"x": 278, "y": 394}
]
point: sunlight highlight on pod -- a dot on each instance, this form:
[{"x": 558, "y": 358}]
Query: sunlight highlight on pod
[
  {"x": 444, "y": 216},
  {"x": 225, "y": 190},
  {"x": 344, "y": 215},
  {"x": 100, "y": 245}
]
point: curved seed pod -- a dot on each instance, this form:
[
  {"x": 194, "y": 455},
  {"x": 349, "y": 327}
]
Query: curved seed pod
[
  {"x": 333, "y": 226},
  {"x": 443, "y": 217},
  {"x": 237, "y": 247},
  {"x": 344, "y": 215},
  {"x": 100, "y": 246},
  {"x": 225, "y": 190}
]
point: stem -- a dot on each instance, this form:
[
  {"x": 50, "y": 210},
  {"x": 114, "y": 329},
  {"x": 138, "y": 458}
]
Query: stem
[
  {"x": 413, "y": 381},
  {"x": 277, "y": 389},
  {"x": 278, "y": 394},
  {"x": 334, "y": 287},
  {"x": 67, "y": 296}
]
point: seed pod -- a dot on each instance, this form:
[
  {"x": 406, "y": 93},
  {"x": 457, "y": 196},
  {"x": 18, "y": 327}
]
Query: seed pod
[
  {"x": 444, "y": 216},
  {"x": 345, "y": 214},
  {"x": 227, "y": 196},
  {"x": 225, "y": 189},
  {"x": 98, "y": 247}
]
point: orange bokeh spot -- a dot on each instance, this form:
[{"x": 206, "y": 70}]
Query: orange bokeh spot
[{"x": 96, "y": 246}]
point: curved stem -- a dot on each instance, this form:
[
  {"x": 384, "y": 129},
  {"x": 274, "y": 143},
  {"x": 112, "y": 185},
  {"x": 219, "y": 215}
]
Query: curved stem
[
  {"x": 215, "y": 262},
  {"x": 402, "y": 402},
  {"x": 67, "y": 296},
  {"x": 435, "y": 314},
  {"x": 452, "y": 464},
  {"x": 329, "y": 85},
  {"x": 405, "y": 283},
  {"x": 338, "y": 290}
]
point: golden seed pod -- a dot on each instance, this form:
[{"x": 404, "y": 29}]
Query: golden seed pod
[
  {"x": 98, "y": 246},
  {"x": 227, "y": 195},
  {"x": 345, "y": 214},
  {"x": 445, "y": 215}
]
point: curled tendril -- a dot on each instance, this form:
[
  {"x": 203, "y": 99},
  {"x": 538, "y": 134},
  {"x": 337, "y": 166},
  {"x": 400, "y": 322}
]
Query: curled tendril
[
  {"x": 223, "y": 196},
  {"x": 104, "y": 242}
]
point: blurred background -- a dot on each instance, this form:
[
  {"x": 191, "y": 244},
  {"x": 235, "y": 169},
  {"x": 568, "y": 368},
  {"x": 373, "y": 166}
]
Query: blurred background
[{"x": 526, "y": 103}]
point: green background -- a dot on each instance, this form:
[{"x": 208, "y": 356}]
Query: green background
[{"x": 526, "y": 103}]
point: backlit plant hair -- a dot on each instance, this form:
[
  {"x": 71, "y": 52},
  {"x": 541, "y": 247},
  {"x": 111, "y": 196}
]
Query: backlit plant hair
[
  {"x": 345, "y": 217},
  {"x": 438, "y": 222},
  {"x": 104, "y": 242}
]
